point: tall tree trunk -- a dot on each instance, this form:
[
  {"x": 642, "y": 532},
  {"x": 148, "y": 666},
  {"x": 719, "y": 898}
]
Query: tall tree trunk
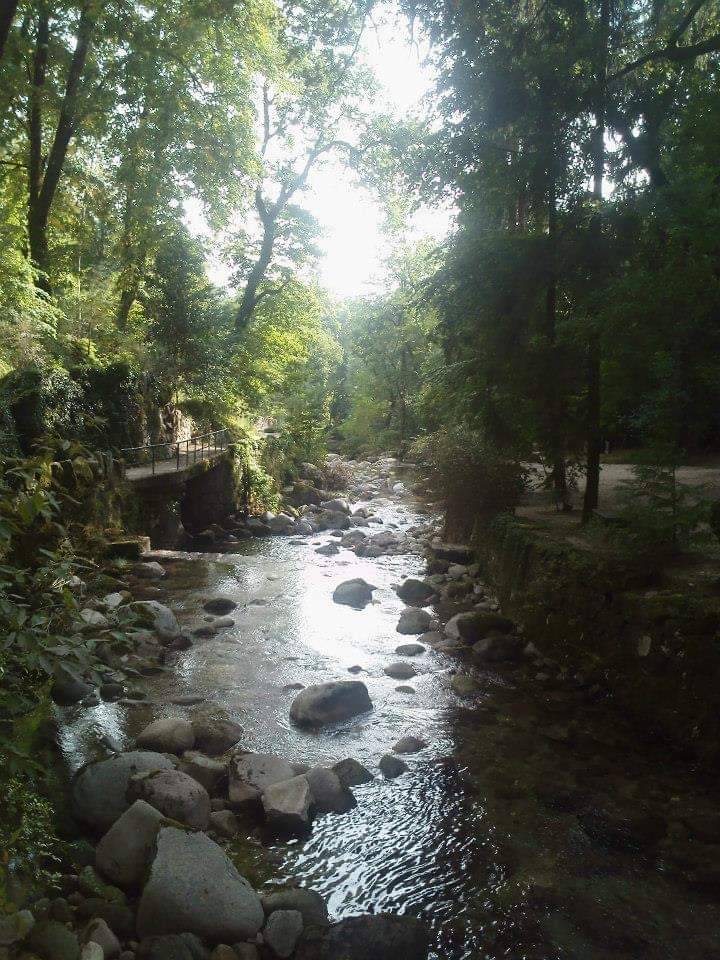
[
  {"x": 250, "y": 294},
  {"x": 555, "y": 411},
  {"x": 43, "y": 185},
  {"x": 7, "y": 15},
  {"x": 592, "y": 483}
]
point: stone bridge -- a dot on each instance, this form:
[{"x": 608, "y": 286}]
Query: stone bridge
[{"x": 187, "y": 490}]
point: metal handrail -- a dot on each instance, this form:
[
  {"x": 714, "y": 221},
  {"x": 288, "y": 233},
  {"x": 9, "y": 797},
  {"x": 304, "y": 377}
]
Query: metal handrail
[{"x": 206, "y": 441}]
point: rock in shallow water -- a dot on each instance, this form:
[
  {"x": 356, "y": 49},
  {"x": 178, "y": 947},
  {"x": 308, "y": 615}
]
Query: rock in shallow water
[
  {"x": 329, "y": 794},
  {"x": 215, "y": 735},
  {"x": 414, "y": 621},
  {"x": 409, "y": 745},
  {"x": 416, "y": 592},
  {"x": 392, "y": 766},
  {"x": 167, "y": 735},
  {"x": 219, "y": 605},
  {"x": 194, "y": 888},
  {"x": 354, "y": 593},
  {"x": 351, "y": 772},
  {"x": 309, "y": 903},
  {"x": 400, "y": 670},
  {"x": 287, "y": 805},
  {"x": 327, "y": 703}
]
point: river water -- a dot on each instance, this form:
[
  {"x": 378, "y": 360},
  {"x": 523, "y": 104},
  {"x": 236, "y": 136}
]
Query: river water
[{"x": 483, "y": 836}]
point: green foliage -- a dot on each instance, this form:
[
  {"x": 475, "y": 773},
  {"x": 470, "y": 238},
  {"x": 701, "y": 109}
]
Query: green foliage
[
  {"x": 469, "y": 475},
  {"x": 29, "y": 848},
  {"x": 660, "y": 515}
]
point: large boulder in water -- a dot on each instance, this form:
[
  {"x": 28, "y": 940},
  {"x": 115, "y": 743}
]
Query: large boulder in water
[
  {"x": 326, "y": 703},
  {"x": 354, "y": 593},
  {"x": 194, "y": 888},
  {"x": 99, "y": 792},
  {"x": 287, "y": 805},
  {"x": 417, "y": 593},
  {"x": 413, "y": 621}
]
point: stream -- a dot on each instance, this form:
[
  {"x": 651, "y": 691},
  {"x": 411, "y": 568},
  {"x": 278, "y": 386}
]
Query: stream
[{"x": 499, "y": 833}]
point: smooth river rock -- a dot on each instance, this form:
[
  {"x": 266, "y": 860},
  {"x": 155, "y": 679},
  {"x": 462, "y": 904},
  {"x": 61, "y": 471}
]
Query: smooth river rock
[
  {"x": 163, "y": 620},
  {"x": 414, "y": 621},
  {"x": 124, "y": 853},
  {"x": 259, "y": 770},
  {"x": 99, "y": 792},
  {"x": 416, "y": 592},
  {"x": 167, "y": 735},
  {"x": 400, "y": 670},
  {"x": 282, "y": 932},
  {"x": 174, "y": 794},
  {"x": 215, "y": 735},
  {"x": 351, "y": 772},
  {"x": 354, "y": 593},
  {"x": 329, "y": 794},
  {"x": 194, "y": 888},
  {"x": 327, "y": 703}
]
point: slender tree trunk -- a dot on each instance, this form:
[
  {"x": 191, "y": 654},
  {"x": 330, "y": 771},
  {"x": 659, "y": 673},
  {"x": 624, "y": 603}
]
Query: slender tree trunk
[
  {"x": 250, "y": 293},
  {"x": 43, "y": 185},
  {"x": 7, "y": 15},
  {"x": 555, "y": 412},
  {"x": 592, "y": 483}
]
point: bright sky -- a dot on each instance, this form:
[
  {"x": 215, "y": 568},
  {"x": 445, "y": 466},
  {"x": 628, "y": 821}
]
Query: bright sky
[{"x": 350, "y": 217}]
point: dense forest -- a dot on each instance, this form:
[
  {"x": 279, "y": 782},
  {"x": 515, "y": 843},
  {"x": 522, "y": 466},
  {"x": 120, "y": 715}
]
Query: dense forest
[{"x": 161, "y": 277}]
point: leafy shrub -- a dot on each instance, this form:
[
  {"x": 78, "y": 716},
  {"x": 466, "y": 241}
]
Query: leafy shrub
[
  {"x": 658, "y": 514},
  {"x": 475, "y": 482}
]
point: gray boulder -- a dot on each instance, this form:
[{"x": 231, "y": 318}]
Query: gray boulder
[
  {"x": 224, "y": 823},
  {"x": 327, "y": 703},
  {"x": 206, "y": 770},
  {"x": 354, "y": 593},
  {"x": 97, "y": 931},
  {"x": 99, "y": 792},
  {"x": 307, "y": 902},
  {"x": 409, "y": 745},
  {"x": 219, "y": 605},
  {"x": 329, "y": 550},
  {"x": 215, "y": 735},
  {"x": 151, "y": 570},
  {"x": 124, "y": 853},
  {"x": 167, "y": 735},
  {"x": 259, "y": 770},
  {"x": 414, "y": 621},
  {"x": 400, "y": 670},
  {"x": 329, "y": 794},
  {"x": 68, "y": 689},
  {"x": 417, "y": 593},
  {"x": 498, "y": 648},
  {"x": 194, "y": 888},
  {"x": 410, "y": 649},
  {"x": 282, "y": 932},
  {"x": 287, "y": 805},
  {"x": 175, "y": 794},
  {"x": 161, "y": 618},
  {"x": 338, "y": 505},
  {"x": 392, "y": 766},
  {"x": 471, "y": 627},
  {"x": 351, "y": 772}
]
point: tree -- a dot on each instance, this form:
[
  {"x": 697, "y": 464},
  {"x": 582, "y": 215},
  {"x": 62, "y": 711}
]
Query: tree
[{"x": 309, "y": 107}]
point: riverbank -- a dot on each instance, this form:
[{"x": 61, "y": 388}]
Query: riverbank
[{"x": 529, "y": 819}]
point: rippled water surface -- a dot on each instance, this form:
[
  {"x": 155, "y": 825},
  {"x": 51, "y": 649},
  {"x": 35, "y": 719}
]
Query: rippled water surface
[{"x": 479, "y": 836}]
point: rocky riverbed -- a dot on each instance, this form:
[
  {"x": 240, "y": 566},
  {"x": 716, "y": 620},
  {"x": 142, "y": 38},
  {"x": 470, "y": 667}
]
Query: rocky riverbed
[{"x": 322, "y": 744}]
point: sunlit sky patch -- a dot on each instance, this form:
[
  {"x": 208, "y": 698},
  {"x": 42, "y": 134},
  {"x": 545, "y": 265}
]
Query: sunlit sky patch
[{"x": 353, "y": 243}]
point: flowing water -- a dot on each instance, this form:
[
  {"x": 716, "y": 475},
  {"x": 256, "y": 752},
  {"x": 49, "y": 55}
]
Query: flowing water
[{"x": 482, "y": 835}]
